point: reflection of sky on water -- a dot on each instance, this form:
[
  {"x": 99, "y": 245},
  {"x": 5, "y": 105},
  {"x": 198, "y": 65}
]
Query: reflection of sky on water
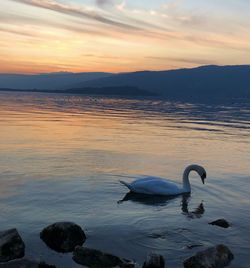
[{"x": 61, "y": 158}]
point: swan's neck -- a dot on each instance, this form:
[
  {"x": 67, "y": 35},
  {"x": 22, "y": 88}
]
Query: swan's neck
[
  {"x": 185, "y": 181},
  {"x": 185, "y": 178}
]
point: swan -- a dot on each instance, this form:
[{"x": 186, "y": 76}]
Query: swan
[{"x": 159, "y": 186}]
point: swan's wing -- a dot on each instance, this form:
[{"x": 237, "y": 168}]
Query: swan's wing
[
  {"x": 155, "y": 186},
  {"x": 142, "y": 179},
  {"x": 148, "y": 178}
]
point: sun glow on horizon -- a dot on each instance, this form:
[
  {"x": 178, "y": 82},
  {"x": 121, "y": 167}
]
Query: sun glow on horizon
[{"x": 119, "y": 36}]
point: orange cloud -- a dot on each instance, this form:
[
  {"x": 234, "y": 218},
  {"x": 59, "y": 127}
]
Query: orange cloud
[{"x": 44, "y": 36}]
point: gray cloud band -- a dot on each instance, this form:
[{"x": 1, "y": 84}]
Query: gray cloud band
[{"x": 54, "y": 6}]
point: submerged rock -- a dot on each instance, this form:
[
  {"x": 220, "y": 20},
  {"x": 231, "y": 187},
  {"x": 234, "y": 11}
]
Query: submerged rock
[
  {"x": 98, "y": 259},
  {"x": 214, "y": 257},
  {"x": 154, "y": 261},
  {"x": 191, "y": 246},
  {"x": 63, "y": 236},
  {"x": 11, "y": 245},
  {"x": 221, "y": 223},
  {"x": 26, "y": 264}
]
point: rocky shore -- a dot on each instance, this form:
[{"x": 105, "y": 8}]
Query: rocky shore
[{"x": 65, "y": 237}]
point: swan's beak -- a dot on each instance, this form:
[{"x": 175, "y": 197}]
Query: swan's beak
[{"x": 203, "y": 177}]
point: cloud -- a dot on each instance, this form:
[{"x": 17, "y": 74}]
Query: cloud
[
  {"x": 17, "y": 32},
  {"x": 76, "y": 11},
  {"x": 103, "y": 2},
  {"x": 121, "y": 6},
  {"x": 120, "y": 26},
  {"x": 116, "y": 24},
  {"x": 109, "y": 33},
  {"x": 184, "y": 60},
  {"x": 100, "y": 56},
  {"x": 126, "y": 25},
  {"x": 11, "y": 24}
]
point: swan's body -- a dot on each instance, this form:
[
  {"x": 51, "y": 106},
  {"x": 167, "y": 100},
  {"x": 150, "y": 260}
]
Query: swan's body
[{"x": 159, "y": 186}]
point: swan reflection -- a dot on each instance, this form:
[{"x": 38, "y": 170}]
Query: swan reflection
[
  {"x": 153, "y": 200},
  {"x": 194, "y": 214},
  {"x": 160, "y": 200}
]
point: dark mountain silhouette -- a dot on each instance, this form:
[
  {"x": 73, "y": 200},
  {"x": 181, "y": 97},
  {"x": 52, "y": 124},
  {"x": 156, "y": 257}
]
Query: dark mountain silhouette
[
  {"x": 204, "y": 83},
  {"x": 105, "y": 91},
  {"x": 51, "y": 81},
  {"x": 184, "y": 84}
]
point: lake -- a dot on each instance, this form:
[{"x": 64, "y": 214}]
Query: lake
[{"x": 62, "y": 156}]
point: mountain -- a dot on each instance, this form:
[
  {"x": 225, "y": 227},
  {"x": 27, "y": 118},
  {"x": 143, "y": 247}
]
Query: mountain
[
  {"x": 51, "y": 81},
  {"x": 184, "y": 84},
  {"x": 204, "y": 83}
]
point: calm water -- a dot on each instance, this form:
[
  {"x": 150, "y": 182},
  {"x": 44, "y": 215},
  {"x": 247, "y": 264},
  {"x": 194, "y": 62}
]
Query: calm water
[{"x": 61, "y": 158}]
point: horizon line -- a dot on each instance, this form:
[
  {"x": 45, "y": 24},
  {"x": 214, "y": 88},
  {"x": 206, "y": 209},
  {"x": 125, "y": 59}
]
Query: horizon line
[{"x": 125, "y": 72}]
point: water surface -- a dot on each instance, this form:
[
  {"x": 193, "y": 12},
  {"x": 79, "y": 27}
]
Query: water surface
[{"x": 61, "y": 157}]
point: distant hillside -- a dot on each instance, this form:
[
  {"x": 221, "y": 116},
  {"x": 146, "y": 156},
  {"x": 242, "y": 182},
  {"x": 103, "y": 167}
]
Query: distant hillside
[
  {"x": 184, "y": 84},
  {"x": 104, "y": 91},
  {"x": 51, "y": 81},
  {"x": 207, "y": 83}
]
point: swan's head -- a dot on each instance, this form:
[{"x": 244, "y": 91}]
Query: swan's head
[
  {"x": 199, "y": 169},
  {"x": 202, "y": 172}
]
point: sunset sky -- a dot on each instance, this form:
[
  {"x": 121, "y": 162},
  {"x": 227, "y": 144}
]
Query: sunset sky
[{"x": 40, "y": 36}]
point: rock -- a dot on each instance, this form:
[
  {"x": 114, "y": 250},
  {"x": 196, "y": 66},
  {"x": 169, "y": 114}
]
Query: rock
[
  {"x": 11, "y": 245},
  {"x": 214, "y": 257},
  {"x": 26, "y": 264},
  {"x": 63, "y": 236},
  {"x": 98, "y": 259},
  {"x": 45, "y": 265},
  {"x": 154, "y": 261},
  {"x": 191, "y": 246},
  {"x": 221, "y": 223}
]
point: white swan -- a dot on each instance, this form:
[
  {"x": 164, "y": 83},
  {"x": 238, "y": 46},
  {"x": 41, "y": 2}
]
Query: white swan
[{"x": 158, "y": 186}]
